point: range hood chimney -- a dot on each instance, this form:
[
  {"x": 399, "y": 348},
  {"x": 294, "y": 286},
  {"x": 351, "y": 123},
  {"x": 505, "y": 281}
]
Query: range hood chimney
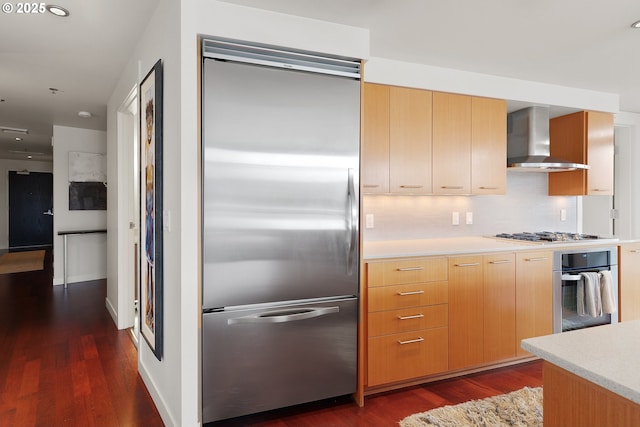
[{"x": 528, "y": 143}]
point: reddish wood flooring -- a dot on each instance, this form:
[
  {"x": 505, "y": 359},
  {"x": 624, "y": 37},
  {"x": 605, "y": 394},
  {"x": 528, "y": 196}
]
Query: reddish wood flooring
[
  {"x": 62, "y": 360},
  {"x": 63, "y": 363},
  {"x": 387, "y": 409}
]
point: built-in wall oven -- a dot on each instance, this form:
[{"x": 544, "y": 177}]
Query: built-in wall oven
[{"x": 569, "y": 286}]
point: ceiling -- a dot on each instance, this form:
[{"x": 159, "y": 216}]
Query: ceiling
[{"x": 585, "y": 44}]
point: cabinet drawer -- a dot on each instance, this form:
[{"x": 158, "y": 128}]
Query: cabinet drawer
[
  {"x": 408, "y": 319},
  {"x": 404, "y": 296},
  {"x": 405, "y": 356},
  {"x": 407, "y": 271}
]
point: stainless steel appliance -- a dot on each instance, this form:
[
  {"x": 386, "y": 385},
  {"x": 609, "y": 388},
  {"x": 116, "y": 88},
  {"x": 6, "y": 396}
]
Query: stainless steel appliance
[
  {"x": 567, "y": 268},
  {"x": 544, "y": 237},
  {"x": 280, "y": 228}
]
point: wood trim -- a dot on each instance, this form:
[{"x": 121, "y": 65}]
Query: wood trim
[{"x": 572, "y": 401}]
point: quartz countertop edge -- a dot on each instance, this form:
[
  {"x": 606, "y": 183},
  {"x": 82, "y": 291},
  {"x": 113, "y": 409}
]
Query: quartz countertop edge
[
  {"x": 605, "y": 355},
  {"x": 380, "y": 249}
]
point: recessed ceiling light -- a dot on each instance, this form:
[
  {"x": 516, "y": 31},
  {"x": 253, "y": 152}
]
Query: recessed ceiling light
[
  {"x": 635, "y": 24},
  {"x": 57, "y": 10},
  {"x": 84, "y": 114}
]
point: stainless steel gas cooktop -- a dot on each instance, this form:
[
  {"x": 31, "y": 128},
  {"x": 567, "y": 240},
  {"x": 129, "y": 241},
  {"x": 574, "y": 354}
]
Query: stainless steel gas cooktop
[{"x": 549, "y": 237}]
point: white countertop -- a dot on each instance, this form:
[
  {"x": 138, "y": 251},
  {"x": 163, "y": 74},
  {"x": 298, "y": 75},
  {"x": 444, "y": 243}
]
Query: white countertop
[
  {"x": 605, "y": 355},
  {"x": 372, "y": 250}
]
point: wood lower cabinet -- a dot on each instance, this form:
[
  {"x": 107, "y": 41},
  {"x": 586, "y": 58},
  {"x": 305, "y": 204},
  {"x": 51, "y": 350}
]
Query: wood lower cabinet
[
  {"x": 466, "y": 312},
  {"x": 534, "y": 296},
  {"x": 629, "y": 281},
  {"x": 499, "y": 307},
  {"x": 407, "y": 321}
]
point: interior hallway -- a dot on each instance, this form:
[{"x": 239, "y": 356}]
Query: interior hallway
[{"x": 62, "y": 360}]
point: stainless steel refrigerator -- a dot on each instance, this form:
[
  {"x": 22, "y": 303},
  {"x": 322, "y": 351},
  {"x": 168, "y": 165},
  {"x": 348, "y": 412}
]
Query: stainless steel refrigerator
[{"x": 280, "y": 236}]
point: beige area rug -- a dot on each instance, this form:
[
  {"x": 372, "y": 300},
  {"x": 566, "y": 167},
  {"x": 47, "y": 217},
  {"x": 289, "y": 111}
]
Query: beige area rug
[
  {"x": 519, "y": 408},
  {"x": 18, "y": 262}
]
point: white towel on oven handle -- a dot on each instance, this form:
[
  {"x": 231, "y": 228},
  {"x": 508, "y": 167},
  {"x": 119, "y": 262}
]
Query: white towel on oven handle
[
  {"x": 592, "y": 299},
  {"x": 606, "y": 292}
]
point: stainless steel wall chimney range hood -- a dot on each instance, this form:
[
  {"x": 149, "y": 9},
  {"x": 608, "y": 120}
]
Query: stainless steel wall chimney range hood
[{"x": 528, "y": 148}]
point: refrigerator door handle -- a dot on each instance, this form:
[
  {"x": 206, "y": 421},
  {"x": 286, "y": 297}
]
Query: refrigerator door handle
[
  {"x": 286, "y": 315},
  {"x": 352, "y": 219}
]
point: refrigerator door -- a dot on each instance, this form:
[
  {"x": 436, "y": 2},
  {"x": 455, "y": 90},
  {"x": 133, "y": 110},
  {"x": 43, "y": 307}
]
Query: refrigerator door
[
  {"x": 280, "y": 171},
  {"x": 260, "y": 359}
]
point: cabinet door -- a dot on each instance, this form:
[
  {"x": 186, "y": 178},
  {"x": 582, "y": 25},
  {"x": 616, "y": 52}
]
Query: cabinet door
[
  {"x": 410, "y": 141},
  {"x": 629, "y": 264},
  {"x": 600, "y": 152},
  {"x": 488, "y": 146},
  {"x": 451, "y": 143},
  {"x": 375, "y": 138},
  {"x": 499, "y": 307},
  {"x": 465, "y": 312},
  {"x": 534, "y": 296},
  {"x": 567, "y": 136}
]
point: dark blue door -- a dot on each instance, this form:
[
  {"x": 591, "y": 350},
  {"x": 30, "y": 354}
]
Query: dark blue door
[{"x": 30, "y": 209}]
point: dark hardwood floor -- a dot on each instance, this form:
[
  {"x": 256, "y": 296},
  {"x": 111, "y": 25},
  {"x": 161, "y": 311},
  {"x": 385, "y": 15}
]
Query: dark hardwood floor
[
  {"x": 62, "y": 360},
  {"x": 64, "y": 363}
]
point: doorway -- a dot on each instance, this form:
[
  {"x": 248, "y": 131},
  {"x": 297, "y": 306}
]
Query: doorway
[{"x": 30, "y": 209}]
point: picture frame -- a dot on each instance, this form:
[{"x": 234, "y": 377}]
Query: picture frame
[{"x": 151, "y": 224}]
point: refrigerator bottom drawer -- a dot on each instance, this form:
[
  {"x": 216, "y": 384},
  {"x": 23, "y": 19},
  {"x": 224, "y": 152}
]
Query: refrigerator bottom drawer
[{"x": 258, "y": 360}]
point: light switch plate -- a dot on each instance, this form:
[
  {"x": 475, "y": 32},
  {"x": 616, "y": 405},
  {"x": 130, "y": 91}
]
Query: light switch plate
[
  {"x": 455, "y": 218},
  {"x": 368, "y": 220},
  {"x": 469, "y": 218}
]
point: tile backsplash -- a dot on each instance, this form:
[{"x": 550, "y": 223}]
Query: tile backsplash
[{"x": 525, "y": 207}]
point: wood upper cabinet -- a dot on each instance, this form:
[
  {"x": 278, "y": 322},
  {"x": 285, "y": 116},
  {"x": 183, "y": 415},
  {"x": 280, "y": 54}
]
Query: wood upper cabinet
[
  {"x": 499, "y": 306},
  {"x": 410, "y": 141},
  {"x": 583, "y": 137},
  {"x": 488, "y": 146},
  {"x": 466, "y": 312},
  {"x": 534, "y": 296},
  {"x": 451, "y": 143},
  {"x": 629, "y": 286},
  {"x": 375, "y": 138}
]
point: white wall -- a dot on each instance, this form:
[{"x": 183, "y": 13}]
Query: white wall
[
  {"x": 627, "y": 183},
  {"x": 5, "y": 167},
  {"x": 87, "y": 254}
]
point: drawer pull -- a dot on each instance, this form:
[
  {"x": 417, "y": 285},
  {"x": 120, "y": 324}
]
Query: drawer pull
[
  {"x": 452, "y": 187},
  {"x": 371, "y": 186},
  {"x": 535, "y": 259},
  {"x": 502, "y": 261},
  {"x": 634, "y": 251},
  {"x": 410, "y": 269},
  {"x": 419, "y": 339},
  {"x": 469, "y": 264},
  {"x": 411, "y": 186},
  {"x": 415, "y": 316},
  {"x": 488, "y": 188},
  {"x": 403, "y": 294},
  {"x": 600, "y": 189}
]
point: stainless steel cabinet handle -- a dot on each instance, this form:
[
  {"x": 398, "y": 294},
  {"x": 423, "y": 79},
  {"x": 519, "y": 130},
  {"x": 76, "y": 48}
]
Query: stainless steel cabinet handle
[
  {"x": 352, "y": 220},
  {"x": 571, "y": 277},
  {"x": 488, "y": 188},
  {"x": 634, "y": 251},
  {"x": 470, "y": 264},
  {"x": 411, "y": 186},
  {"x": 502, "y": 261},
  {"x": 535, "y": 259},
  {"x": 410, "y": 269},
  {"x": 452, "y": 187},
  {"x": 371, "y": 186},
  {"x": 403, "y": 294},
  {"x": 286, "y": 315},
  {"x": 415, "y": 316},
  {"x": 419, "y": 339},
  {"x": 599, "y": 189}
]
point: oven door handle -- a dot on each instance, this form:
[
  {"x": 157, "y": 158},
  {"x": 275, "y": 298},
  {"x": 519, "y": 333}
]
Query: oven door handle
[{"x": 571, "y": 277}]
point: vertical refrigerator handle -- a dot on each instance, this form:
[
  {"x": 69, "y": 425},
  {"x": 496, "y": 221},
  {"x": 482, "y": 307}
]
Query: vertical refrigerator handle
[{"x": 352, "y": 221}]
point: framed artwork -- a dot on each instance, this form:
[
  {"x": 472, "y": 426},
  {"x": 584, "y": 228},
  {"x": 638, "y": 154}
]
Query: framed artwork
[{"x": 151, "y": 283}]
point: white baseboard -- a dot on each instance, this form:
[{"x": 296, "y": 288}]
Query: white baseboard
[
  {"x": 112, "y": 311},
  {"x": 155, "y": 395}
]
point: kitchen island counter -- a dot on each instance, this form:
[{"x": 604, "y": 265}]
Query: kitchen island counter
[
  {"x": 373, "y": 250},
  {"x": 591, "y": 372}
]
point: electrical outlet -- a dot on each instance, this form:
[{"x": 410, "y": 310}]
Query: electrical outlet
[
  {"x": 469, "y": 217},
  {"x": 368, "y": 221},
  {"x": 563, "y": 214},
  {"x": 455, "y": 218}
]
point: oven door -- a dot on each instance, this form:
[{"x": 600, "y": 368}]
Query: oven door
[{"x": 565, "y": 299}]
